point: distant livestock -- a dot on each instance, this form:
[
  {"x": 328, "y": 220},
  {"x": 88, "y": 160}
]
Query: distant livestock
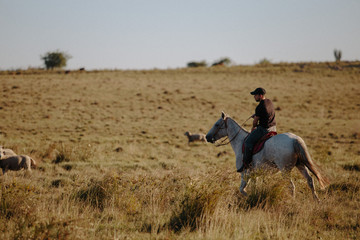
[
  {"x": 16, "y": 163},
  {"x": 6, "y": 152},
  {"x": 10, "y": 161},
  {"x": 195, "y": 137}
]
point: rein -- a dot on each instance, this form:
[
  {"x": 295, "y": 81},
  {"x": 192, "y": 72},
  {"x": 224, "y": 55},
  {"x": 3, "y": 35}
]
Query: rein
[{"x": 223, "y": 143}]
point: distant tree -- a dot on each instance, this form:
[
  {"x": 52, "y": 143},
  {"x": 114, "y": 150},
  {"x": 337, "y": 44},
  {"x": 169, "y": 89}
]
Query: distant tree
[
  {"x": 264, "y": 61},
  {"x": 222, "y": 62},
  {"x": 55, "y": 59},
  {"x": 337, "y": 54},
  {"x": 197, "y": 64}
]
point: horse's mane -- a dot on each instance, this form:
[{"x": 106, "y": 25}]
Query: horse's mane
[{"x": 238, "y": 125}]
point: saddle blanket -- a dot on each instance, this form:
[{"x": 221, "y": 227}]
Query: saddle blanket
[{"x": 260, "y": 144}]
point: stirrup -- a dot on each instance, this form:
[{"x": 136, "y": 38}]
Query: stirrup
[{"x": 243, "y": 167}]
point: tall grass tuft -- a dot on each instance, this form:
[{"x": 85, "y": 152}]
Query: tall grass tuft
[
  {"x": 266, "y": 191},
  {"x": 19, "y": 205},
  {"x": 67, "y": 153},
  {"x": 16, "y": 199},
  {"x": 97, "y": 192},
  {"x": 197, "y": 202},
  {"x": 264, "y": 196},
  {"x": 188, "y": 215}
]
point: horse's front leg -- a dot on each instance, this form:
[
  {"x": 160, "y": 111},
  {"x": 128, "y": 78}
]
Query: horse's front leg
[
  {"x": 244, "y": 182},
  {"x": 292, "y": 188},
  {"x": 286, "y": 175}
]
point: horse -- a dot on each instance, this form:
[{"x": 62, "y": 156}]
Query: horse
[{"x": 281, "y": 152}]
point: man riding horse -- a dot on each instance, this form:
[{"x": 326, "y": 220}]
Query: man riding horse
[{"x": 263, "y": 123}]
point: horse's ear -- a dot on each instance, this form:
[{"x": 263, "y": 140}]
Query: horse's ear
[{"x": 223, "y": 114}]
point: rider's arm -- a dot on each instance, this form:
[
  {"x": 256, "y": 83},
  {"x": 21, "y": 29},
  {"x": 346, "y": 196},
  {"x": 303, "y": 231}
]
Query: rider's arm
[{"x": 255, "y": 122}]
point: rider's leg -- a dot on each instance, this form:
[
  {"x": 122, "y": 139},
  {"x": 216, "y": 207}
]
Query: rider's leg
[{"x": 250, "y": 141}]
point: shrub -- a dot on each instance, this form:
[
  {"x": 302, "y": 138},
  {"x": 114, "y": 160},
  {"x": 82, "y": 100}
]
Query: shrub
[
  {"x": 197, "y": 64},
  {"x": 337, "y": 55},
  {"x": 55, "y": 59},
  {"x": 264, "y": 61},
  {"x": 222, "y": 62}
]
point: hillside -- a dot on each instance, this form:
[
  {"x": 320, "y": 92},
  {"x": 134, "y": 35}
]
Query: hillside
[{"x": 113, "y": 161}]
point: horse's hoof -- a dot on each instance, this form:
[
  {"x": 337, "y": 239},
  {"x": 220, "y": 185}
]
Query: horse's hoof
[{"x": 244, "y": 193}]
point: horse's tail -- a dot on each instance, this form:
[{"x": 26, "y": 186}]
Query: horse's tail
[{"x": 304, "y": 158}]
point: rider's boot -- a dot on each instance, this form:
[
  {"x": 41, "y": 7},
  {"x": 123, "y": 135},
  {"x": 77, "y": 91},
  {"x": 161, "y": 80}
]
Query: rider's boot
[{"x": 247, "y": 157}]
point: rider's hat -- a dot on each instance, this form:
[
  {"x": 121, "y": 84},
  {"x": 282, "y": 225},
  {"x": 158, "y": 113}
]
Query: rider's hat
[{"x": 259, "y": 90}]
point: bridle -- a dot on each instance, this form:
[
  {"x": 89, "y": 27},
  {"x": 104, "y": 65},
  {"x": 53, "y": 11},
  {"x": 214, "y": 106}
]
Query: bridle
[
  {"x": 222, "y": 143},
  {"x": 220, "y": 128}
]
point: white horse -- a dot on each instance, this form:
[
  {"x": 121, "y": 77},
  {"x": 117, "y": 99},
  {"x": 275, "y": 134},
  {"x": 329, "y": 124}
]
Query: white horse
[{"x": 283, "y": 151}]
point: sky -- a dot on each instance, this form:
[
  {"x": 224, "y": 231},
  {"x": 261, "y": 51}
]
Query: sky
[{"x": 167, "y": 34}]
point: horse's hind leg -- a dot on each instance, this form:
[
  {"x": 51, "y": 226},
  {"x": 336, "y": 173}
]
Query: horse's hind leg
[{"x": 304, "y": 171}]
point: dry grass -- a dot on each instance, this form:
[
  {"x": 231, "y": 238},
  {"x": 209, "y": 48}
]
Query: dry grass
[{"x": 114, "y": 163}]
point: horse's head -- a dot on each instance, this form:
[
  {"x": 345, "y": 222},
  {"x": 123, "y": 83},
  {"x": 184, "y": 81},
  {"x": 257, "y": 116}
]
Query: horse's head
[{"x": 218, "y": 130}]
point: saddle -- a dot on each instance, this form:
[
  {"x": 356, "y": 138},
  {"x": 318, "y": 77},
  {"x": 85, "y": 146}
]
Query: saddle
[{"x": 260, "y": 144}]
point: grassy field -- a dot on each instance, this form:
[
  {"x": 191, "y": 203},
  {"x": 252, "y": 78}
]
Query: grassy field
[{"x": 113, "y": 161}]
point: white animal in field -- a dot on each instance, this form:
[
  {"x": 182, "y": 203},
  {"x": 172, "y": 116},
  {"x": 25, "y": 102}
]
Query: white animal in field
[
  {"x": 15, "y": 162},
  {"x": 195, "y": 137},
  {"x": 7, "y": 152}
]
